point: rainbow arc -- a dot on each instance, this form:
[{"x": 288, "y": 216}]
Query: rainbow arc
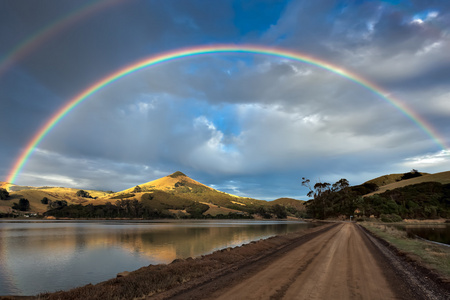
[{"x": 208, "y": 50}]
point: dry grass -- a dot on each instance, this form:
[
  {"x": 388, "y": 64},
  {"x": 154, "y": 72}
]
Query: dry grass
[
  {"x": 4, "y": 185},
  {"x": 54, "y": 193},
  {"x": 5, "y": 209},
  {"x": 433, "y": 256},
  {"x": 386, "y": 179},
  {"x": 165, "y": 183},
  {"x": 443, "y": 177},
  {"x": 425, "y": 222}
]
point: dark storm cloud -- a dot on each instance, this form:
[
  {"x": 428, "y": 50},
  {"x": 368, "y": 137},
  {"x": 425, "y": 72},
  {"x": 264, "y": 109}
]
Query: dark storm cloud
[
  {"x": 115, "y": 36},
  {"x": 248, "y": 125}
]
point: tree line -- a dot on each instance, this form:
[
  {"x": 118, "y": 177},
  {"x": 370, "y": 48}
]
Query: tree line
[
  {"x": 132, "y": 209},
  {"x": 428, "y": 200}
]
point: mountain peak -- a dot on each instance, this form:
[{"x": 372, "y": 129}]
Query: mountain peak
[
  {"x": 168, "y": 183},
  {"x": 177, "y": 174}
]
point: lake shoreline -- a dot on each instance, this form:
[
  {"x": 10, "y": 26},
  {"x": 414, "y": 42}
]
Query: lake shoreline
[
  {"x": 180, "y": 270},
  {"x": 182, "y": 274},
  {"x": 185, "y": 275},
  {"x": 93, "y": 251}
]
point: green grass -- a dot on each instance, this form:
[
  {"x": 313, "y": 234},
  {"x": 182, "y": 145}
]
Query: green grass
[{"x": 432, "y": 255}]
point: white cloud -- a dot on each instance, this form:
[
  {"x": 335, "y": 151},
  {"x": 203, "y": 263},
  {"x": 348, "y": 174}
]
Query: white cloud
[
  {"x": 432, "y": 161},
  {"x": 215, "y": 142},
  {"x": 425, "y": 17},
  {"x": 430, "y": 48}
]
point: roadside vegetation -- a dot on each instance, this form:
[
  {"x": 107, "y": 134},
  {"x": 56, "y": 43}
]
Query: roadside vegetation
[{"x": 431, "y": 255}]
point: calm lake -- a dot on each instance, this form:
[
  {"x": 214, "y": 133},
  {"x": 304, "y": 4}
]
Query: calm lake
[
  {"x": 39, "y": 256},
  {"x": 437, "y": 233}
]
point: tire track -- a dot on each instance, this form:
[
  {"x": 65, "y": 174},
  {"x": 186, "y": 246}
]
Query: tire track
[
  {"x": 280, "y": 293},
  {"x": 276, "y": 278}
]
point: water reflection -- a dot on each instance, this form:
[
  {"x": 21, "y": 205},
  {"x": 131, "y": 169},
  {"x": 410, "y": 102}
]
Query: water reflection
[
  {"x": 436, "y": 233},
  {"x": 54, "y": 255}
]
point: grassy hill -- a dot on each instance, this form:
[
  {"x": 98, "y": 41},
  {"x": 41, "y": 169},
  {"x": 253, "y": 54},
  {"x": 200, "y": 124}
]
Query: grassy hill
[
  {"x": 298, "y": 204},
  {"x": 386, "y": 179},
  {"x": 170, "y": 183},
  {"x": 172, "y": 195},
  {"x": 442, "y": 177},
  {"x": 186, "y": 188},
  {"x": 35, "y": 194},
  {"x": 391, "y": 178},
  {"x": 4, "y": 185}
]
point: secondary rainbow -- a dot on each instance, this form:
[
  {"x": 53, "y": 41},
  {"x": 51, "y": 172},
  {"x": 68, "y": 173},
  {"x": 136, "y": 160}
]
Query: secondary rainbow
[
  {"x": 38, "y": 38},
  {"x": 205, "y": 50}
]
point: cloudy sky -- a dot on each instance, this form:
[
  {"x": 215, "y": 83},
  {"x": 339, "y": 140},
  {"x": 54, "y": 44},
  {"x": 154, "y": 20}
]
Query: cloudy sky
[{"x": 252, "y": 125}]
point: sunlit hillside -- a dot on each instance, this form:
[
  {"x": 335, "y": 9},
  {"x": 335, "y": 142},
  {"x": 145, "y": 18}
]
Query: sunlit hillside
[
  {"x": 442, "y": 177},
  {"x": 388, "y": 179},
  {"x": 35, "y": 194},
  {"x": 385, "y": 179},
  {"x": 167, "y": 183},
  {"x": 187, "y": 188},
  {"x": 173, "y": 194},
  {"x": 6, "y": 185}
]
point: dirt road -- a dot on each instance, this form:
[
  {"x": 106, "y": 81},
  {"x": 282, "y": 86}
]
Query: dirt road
[
  {"x": 341, "y": 263},
  {"x": 338, "y": 264}
]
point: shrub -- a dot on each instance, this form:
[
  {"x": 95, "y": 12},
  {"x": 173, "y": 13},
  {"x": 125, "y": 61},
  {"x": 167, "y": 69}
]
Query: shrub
[
  {"x": 23, "y": 205},
  {"x": 414, "y": 173},
  {"x": 196, "y": 209},
  {"x": 83, "y": 194},
  {"x": 57, "y": 204},
  {"x": 388, "y": 218},
  {"x": 44, "y": 200},
  {"x": 4, "y": 194},
  {"x": 279, "y": 211},
  {"x": 123, "y": 196},
  {"x": 180, "y": 183}
]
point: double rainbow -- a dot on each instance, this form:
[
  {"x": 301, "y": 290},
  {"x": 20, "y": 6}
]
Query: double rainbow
[{"x": 214, "y": 49}]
